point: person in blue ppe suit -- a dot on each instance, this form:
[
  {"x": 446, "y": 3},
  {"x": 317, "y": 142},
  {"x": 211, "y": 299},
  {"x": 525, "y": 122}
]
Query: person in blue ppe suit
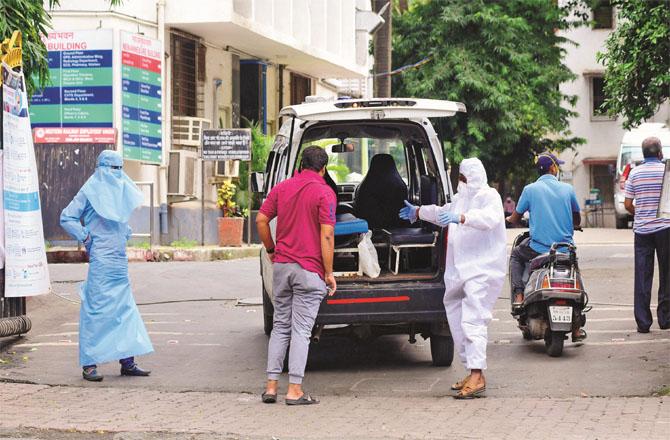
[
  {"x": 110, "y": 325},
  {"x": 475, "y": 266}
]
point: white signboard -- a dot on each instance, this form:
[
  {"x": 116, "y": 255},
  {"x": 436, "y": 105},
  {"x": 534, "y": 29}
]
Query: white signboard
[
  {"x": 26, "y": 271},
  {"x": 664, "y": 206}
]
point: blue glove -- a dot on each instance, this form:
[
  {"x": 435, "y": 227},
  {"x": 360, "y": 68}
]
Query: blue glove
[
  {"x": 446, "y": 217},
  {"x": 409, "y": 212}
]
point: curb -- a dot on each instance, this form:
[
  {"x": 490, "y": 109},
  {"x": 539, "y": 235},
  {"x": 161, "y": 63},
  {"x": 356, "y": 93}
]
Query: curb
[{"x": 161, "y": 254}]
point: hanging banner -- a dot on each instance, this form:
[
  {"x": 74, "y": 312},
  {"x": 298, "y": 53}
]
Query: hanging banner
[
  {"x": 2, "y": 215},
  {"x": 26, "y": 271},
  {"x": 80, "y": 90},
  {"x": 141, "y": 98}
]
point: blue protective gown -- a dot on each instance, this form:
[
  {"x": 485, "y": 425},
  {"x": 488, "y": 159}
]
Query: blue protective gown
[{"x": 110, "y": 325}]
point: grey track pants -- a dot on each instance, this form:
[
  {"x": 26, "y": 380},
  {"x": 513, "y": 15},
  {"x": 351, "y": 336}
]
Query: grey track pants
[{"x": 297, "y": 297}]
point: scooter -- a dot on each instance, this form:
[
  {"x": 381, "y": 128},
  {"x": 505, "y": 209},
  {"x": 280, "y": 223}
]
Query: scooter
[{"x": 555, "y": 302}]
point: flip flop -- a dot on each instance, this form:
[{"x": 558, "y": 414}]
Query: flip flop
[
  {"x": 461, "y": 383},
  {"x": 470, "y": 392},
  {"x": 305, "y": 399},
  {"x": 269, "y": 398}
]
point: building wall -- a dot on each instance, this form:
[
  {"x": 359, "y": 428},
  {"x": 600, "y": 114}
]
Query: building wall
[
  {"x": 320, "y": 34},
  {"x": 603, "y": 136},
  {"x": 324, "y": 29},
  {"x": 86, "y": 18}
]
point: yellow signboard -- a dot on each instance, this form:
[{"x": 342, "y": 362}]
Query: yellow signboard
[{"x": 10, "y": 51}]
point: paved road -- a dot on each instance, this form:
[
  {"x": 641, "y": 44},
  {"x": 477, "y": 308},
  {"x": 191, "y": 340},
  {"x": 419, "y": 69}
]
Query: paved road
[
  {"x": 210, "y": 333},
  {"x": 209, "y": 345}
]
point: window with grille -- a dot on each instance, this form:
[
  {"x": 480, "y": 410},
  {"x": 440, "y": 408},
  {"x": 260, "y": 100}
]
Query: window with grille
[
  {"x": 603, "y": 15},
  {"x": 301, "y": 87},
  {"x": 598, "y": 97},
  {"x": 184, "y": 80}
]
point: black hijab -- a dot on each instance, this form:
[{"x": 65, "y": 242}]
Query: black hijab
[
  {"x": 381, "y": 194},
  {"x": 330, "y": 182}
]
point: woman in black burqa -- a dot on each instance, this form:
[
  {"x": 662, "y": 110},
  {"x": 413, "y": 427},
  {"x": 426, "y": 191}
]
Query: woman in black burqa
[{"x": 381, "y": 194}]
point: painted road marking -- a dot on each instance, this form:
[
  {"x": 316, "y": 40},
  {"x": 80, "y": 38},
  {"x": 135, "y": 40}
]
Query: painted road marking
[
  {"x": 53, "y": 335},
  {"x": 74, "y": 344},
  {"x": 607, "y": 343},
  {"x": 75, "y": 324},
  {"x": 159, "y": 314},
  {"x": 588, "y": 330},
  {"x": 595, "y": 309},
  {"x": 48, "y": 344},
  {"x": 588, "y": 320}
]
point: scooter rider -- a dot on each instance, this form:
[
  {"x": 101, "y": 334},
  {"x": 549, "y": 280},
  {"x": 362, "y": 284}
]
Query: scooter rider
[
  {"x": 475, "y": 266},
  {"x": 554, "y": 213}
]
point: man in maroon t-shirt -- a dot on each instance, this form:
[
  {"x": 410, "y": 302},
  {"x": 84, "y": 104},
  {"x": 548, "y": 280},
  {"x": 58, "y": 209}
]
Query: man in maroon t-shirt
[{"x": 302, "y": 267}]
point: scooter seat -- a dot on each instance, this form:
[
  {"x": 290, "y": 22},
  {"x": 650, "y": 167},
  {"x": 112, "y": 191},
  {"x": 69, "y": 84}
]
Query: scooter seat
[{"x": 543, "y": 259}]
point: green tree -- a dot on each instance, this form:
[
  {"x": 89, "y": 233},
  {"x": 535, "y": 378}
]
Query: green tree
[
  {"x": 261, "y": 145},
  {"x": 637, "y": 60},
  {"x": 504, "y": 61},
  {"x": 30, "y": 17}
]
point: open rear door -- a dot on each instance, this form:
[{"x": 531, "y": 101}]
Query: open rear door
[{"x": 384, "y": 108}]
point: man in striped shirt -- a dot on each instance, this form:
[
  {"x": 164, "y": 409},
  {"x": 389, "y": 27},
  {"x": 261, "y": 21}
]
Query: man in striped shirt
[{"x": 652, "y": 234}]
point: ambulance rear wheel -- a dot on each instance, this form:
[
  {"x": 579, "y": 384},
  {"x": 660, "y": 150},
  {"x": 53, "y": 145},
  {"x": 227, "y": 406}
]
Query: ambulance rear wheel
[
  {"x": 442, "y": 350},
  {"x": 268, "y": 313}
]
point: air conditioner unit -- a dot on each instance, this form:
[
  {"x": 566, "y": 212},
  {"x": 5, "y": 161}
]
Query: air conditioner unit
[
  {"x": 182, "y": 175},
  {"x": 227, "y": 168},
  {"x": 187, "y": 131}
]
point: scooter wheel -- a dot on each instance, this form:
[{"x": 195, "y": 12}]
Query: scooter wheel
[
  {"x": 553, "y": 342},
  {"x": 526, "y": 334}
]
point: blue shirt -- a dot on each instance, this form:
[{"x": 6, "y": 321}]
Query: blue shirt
[
  {"x": 644, "y": 186},
  {"x": 550, "y": 204}
]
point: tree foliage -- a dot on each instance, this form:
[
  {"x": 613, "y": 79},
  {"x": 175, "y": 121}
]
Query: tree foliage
[
  {"x": 637, "y": 59},
  {"x": 30, "y": 17},
  {"x": 504, "y": 61}
]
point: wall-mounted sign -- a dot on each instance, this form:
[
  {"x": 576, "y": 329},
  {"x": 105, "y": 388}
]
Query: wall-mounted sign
[
  {"x": 54, "y": 135},
  {"x": 141, "y": 98},
  {"x": 226, "y": 144},
  {"x": 80, "y": 93}
]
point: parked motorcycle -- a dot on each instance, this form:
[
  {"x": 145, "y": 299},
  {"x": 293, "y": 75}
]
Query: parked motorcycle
[{"x": 555, "y": 302}]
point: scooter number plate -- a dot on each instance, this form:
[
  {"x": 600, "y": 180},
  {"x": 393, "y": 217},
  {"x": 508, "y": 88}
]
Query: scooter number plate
[{"x": 560, "y": 313}]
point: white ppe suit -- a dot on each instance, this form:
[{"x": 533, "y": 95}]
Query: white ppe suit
[{"x": 475, "y": 262}]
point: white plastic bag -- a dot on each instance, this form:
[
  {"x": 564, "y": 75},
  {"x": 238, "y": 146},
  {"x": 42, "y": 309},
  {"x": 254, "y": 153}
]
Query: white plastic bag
[{"x": 367, "y": 256}]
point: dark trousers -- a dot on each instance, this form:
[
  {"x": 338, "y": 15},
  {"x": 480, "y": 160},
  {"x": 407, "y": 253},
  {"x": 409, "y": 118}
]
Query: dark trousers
[
  {"x": 519, "y": 258},
  {"x": 125, "y": 363},
  {"x": 645, "y": 246}
]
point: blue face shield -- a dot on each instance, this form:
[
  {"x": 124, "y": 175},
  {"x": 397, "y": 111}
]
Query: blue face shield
[{"x": 111, "y": 193}]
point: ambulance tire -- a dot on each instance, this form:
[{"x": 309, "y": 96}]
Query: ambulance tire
[{"x": 442, "y": 350}]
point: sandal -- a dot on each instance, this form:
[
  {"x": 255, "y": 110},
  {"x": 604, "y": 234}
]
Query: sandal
[
  {"x": 471, "y": 392},
  {"x": 581, "y": 337},
  {"x": 305, "y": 399},
  {"x": 269, "y": 398},
  {"x": 461, "y": 383}
]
